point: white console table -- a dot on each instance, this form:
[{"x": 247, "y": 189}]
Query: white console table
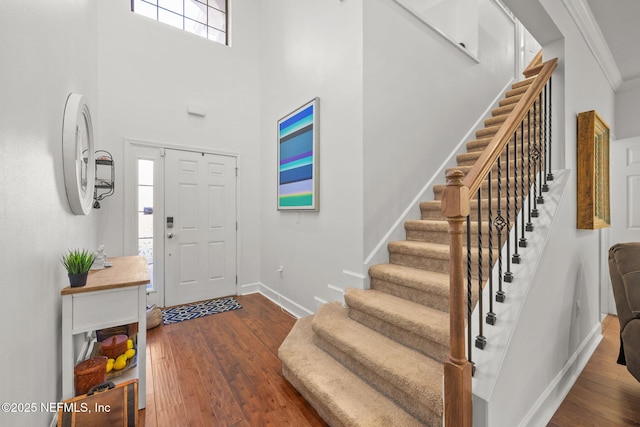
[{"x": 113, "y": 296}]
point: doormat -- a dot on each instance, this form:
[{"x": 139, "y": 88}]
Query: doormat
[{"x": 201, "y": 309}]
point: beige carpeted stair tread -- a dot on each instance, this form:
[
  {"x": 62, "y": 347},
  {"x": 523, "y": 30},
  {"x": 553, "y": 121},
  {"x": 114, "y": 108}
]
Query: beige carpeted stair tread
[
  {"x": 418, "y": 319},
  {"x": 525, "y": 82},
  {"x": 428, "y": 249},
  {"x": 499, "y": 119},
  {"x": 436, "y": 231},
  {"x": 466, "y": 168},
  {"x": 495, "y": 120},
  {"x": 436, "y": 205},
  {"x": 417, "y": 326},
  {"x": 339, "y": 396},
  {"x": 427, "y": 230},
  {"x": 487, "y": 132},
  {"x": 425, "y": 249},
  {"x": 481, "y": 143},
  {"x": 506, "y": 109},
  {"x": 511, "y": 100},
  {"x": 516, "y": 91},
  {"x": 438, "y": 189},
  {"x": 426, "y": 225},
  {"x": 433, "y": 256},
  {"x": 424, "y": 287},
  {"x": 412, "y": 379},
  {"x": 469, "y": 159},
  {"x": 473, "y": 156},
  {"x": 428, "y": 281},
  {"x": 425, "y": 255}
]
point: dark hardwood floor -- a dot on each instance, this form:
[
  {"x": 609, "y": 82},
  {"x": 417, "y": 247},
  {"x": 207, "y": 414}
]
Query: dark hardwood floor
[
  {"x": 605, "y": 394},
  {"x": 223, "y": 370}
]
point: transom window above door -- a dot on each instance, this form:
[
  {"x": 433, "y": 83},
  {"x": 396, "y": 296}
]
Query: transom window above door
[{"x": 205, "y": 18}]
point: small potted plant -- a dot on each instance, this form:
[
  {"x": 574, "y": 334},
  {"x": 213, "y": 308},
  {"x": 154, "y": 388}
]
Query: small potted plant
[{"x": 78, "y": 262}]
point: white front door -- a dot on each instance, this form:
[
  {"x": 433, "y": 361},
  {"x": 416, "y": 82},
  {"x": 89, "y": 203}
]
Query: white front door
[
  {"x": 624, "y": 176},
  {"x": 200, "y": 226}
]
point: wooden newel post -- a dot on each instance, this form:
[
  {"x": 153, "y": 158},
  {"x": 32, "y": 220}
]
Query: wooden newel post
[{"x": 457, "y": 369}]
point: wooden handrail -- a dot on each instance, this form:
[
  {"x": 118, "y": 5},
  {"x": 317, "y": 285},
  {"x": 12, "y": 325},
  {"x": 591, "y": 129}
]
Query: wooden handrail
[
  {"x": 456, "y": 201},
  {"x": 490, "y": 155},
  {"x": 535, "y": 63}
]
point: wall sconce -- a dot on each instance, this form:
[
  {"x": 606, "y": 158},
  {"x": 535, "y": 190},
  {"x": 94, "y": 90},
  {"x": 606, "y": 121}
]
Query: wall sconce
[{"x": 105, "y": 177}]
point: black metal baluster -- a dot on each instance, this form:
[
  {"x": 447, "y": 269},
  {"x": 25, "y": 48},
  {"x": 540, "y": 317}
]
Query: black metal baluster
[
  {"x": 469, "y": 297},
  {"x": 550, "y": 119},
  {"x": 529, "y": 142},
  {"x": 499, "y": 223},
  {"x": 508, "y": 275},
  {"x": 481, "y": 340},
  {"x": 543, "y": 146},
  {"x": 535, "y": 155},
  {"x": 543, "y": 142},
  {"x": 523, "y": 240},
  {"x": 516, "y": 256},
  {"x": 491, "y": 316}
]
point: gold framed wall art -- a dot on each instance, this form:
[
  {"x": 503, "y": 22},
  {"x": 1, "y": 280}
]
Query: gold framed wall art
[{"x": 593, "y": 172}]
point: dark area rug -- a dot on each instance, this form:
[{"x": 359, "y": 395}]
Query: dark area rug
[{"x": 200, "y": 309}]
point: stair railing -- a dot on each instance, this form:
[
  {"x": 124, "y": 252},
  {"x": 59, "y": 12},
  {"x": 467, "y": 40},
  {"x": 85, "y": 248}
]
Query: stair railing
[{"x": 513, "y": 171}]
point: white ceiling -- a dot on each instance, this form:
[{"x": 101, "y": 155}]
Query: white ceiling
[{"x": 619, "y": 22}]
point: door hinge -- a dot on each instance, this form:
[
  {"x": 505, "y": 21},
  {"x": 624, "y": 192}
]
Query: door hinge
[
  {"x": 236, "y": 171},
  {"x": 236, "y": 279},
  {"x": 236, "y": 225}
]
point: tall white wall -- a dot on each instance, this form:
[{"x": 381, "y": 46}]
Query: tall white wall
[
  {"x": 48, "y": 50},
  {"x": 421, "y": 96},
  {"x": 627, "y": 124},
  {"x": 557, "y": 324},
  {"x": 148, "y": 73},
  {"x": 313, "y": 49}
]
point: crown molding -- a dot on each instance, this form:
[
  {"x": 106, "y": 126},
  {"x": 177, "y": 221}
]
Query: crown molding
[
  {"x": 629, "y": 84},
  {"x": 585, "y": 21}
]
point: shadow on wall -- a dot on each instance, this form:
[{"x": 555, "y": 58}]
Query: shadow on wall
[{"x": 578, "y": 327}]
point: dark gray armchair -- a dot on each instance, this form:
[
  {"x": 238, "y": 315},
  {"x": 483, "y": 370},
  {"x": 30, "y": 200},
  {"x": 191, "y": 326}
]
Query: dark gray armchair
[{"x": 624, "y": 268}]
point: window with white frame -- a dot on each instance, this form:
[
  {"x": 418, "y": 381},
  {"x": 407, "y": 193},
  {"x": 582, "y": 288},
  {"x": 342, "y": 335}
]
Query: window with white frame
[{"x": 206, "y": 18}]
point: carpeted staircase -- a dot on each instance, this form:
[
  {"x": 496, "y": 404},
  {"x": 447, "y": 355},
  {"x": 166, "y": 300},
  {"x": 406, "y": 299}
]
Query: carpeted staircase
[{"x": 378, "y": 361}]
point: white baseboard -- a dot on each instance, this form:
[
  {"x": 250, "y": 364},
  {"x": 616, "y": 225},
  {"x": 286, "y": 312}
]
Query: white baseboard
[
  {"x": 249, "y": 288},
  {"x": 319, "y": 302},
  {"x": 335, "y": 294},
  {"x": 292, "y": 307},
  {"x": 549, "y": 402},
  {"x": 357, "y": 280}
]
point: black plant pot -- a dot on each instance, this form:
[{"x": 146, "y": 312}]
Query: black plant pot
[{"x": 78, "y": 280}]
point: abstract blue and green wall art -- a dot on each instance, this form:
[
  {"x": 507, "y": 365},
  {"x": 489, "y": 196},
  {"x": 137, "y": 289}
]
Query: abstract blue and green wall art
[{"x": 298, "y": 158}]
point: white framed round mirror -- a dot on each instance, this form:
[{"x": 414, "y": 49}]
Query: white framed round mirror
[{"x": 78, "y": 156}]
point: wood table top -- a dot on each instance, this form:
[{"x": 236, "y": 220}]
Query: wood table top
[{"x": 125, "y": 271}]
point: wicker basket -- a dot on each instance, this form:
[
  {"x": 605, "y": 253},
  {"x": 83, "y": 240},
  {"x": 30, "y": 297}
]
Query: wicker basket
[
  {"x": 154, "y": 317},
  {"x": 89, "y": 373},
  {"x": 114, "y": 346}
]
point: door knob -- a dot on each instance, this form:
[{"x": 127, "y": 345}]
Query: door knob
[{"x": 169, "y": 235}]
